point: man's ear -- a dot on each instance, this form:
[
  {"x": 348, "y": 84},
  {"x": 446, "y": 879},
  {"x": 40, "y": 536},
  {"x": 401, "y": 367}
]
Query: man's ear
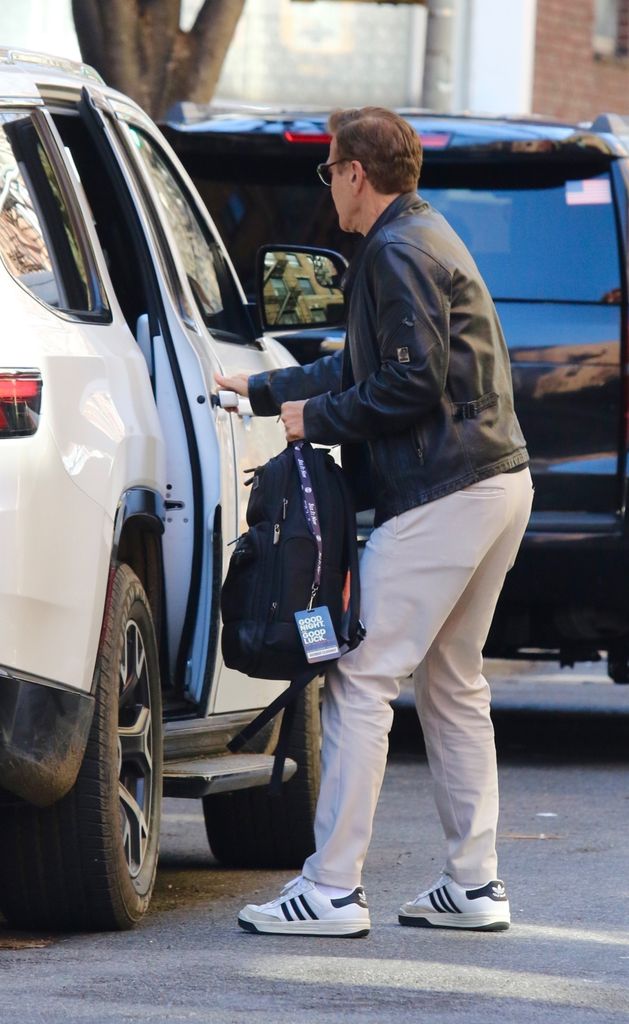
[{"x": 356, "y": 167}]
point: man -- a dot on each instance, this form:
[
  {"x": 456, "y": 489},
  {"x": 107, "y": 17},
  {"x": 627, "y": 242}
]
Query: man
[{"x": 425, "y": 380}]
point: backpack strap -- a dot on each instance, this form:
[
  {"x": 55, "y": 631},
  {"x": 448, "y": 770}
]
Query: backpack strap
[
  {"x": 273, "y": 709},
  {"x": 351, "y": 626},
  {"x": 285, "y": 702},
  {"x": 311, "y": 514},
  {"x": 281, "y": 748}
]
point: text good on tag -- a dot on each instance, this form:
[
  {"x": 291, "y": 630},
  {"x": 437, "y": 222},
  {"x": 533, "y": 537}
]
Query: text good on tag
[{"x": 317, "y": 634}]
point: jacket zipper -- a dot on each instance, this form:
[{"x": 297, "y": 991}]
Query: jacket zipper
[{"x": 418, "y": 444}]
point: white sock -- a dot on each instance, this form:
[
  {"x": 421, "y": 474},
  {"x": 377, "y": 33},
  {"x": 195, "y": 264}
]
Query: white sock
[{"x": 332, "y": 891}]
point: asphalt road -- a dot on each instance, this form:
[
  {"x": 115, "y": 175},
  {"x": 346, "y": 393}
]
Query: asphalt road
[{"x": 563, "y": 748}]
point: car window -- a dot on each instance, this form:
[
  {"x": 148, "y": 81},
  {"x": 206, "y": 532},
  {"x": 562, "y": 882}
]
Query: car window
[
  {"x": 216, "y": 298},
  {"x": 249, "y": 213},
  {"x": 38, "y": 242},
  {"x": 530, "y": 228},
  {"x": 537, "y": 243}
]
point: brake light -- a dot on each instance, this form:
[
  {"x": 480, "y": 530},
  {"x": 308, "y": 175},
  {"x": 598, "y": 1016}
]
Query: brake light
[
  {"x": 308, "y": 137},
  {"x": 434, "y": 140},
  {"x": 20, "y": 402},
  {"x": 429, "y": 140}
]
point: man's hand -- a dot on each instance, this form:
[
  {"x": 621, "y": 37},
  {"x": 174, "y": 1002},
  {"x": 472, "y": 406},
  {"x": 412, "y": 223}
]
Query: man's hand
[
  {"x": 292, "y": 416},
  {"x": 238, "y": 383}
]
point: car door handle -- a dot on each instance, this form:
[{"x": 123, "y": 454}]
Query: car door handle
[
  {"x": 244, "y": 407},
  {"x": 230, "y": 400}
]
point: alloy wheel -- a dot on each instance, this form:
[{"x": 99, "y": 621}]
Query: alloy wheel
[{"x": 135, "y": 749}]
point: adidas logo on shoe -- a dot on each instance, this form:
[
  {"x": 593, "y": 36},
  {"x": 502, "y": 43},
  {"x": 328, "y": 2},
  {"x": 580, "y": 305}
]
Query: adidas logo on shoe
[
  {"x": 301, "y": 909},
  {"x": 449, "y": 905}
]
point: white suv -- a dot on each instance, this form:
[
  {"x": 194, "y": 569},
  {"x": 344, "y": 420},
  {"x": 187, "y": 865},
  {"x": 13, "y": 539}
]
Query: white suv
[{"x": 121, "y": 486}]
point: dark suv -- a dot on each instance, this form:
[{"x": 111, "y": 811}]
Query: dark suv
[{"x": 543, "y": 208}]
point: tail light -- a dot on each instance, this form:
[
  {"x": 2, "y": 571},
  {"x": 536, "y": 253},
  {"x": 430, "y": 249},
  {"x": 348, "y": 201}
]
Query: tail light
[
  {"x": 20, "y": 401},
  {"x": 314, "y": 138},
  {"x": 429, "y": 140},
  {"x": 435, "y": 140}
]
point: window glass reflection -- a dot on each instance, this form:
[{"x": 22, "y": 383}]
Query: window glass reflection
[
  {"x": 300, "y": 289},
  {"x": 37, "y": 239},
  {"x": 516, "y": 235},
  {"x": 196, "y": 253},
  {"x": 22, "y": 241}
]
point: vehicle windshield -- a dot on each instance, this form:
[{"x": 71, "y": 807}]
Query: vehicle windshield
[{"x": 530, "y": 243}]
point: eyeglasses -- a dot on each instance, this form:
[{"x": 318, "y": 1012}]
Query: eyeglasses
[{"x": 323, "y": 170}]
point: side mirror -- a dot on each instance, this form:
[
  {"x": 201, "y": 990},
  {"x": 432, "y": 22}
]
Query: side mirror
[{"x": 299, "y": 287}]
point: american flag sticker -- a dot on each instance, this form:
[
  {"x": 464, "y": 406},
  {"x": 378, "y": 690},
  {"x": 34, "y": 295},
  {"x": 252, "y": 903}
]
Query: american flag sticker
[{"x": 589, "y": 192}]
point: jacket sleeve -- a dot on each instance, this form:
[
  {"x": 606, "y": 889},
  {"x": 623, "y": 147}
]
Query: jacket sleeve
[
  {"x": 268, "y": 390},
  {"x": 411, "y": 293}
]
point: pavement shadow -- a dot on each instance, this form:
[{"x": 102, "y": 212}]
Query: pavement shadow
[{"x": 540, "y": 734}]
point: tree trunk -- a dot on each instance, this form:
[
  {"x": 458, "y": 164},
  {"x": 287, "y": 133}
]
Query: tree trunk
[{"x": 138, "y": 47}]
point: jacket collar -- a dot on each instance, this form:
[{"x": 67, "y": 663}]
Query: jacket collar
[
  {"x": 407, "y": 202},
  {"x": 404, "y": 203}
]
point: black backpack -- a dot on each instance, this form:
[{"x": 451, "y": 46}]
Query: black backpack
[{"x": 273, "y": 571}]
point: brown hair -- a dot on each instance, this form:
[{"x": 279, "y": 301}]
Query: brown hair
[{"x": 384, "y": 143}]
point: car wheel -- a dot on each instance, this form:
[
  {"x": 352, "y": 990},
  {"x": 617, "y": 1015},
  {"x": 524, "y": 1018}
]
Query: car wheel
[
  {"x": 89, "y": 861},
  {"x": 250, "y": 828}
]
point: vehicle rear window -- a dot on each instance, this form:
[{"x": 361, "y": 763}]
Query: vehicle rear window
[
  {"x": 532, "y": 232},
  {"x": 539, "y": 243}
]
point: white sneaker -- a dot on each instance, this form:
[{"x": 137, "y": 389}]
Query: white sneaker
[
  {"x": 449, "y": 905},
  {"x": 301, "y": 909}
]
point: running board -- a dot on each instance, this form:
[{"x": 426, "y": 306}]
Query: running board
[{"x": 220, "y": 774}]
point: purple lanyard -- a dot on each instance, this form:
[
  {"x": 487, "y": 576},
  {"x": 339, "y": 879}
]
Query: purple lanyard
[{"x": 312, "y": 515}]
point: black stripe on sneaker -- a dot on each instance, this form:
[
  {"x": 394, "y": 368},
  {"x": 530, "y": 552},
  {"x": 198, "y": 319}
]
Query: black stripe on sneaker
[
  {"x": 357, "y": 896},
  {"x": 286, "y": 912},
  {"x": 294, "y": 904},
  {"x": 432, "y": 899},
  {"x": 308, "y": 908},
  {"x": 446, "y": 896},
  {"x": 444, "y": 904}
]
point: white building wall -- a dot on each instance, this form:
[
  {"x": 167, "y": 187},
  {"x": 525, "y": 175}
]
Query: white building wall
[
  {"x": 325, "y": 54},
  {"x": 43, "y": 25},
  {"x": 496, "y": 49}
]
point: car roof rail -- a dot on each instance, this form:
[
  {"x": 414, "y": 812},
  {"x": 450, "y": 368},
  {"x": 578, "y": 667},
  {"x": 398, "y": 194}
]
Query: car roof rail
[
  {"x": 14, "y": 55},
  {"x": 617, "y": 124}
]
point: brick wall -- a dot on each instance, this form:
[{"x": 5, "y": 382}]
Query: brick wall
[{"x": 569, "y": 82}]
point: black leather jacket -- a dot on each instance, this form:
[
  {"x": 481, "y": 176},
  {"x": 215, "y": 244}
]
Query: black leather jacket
[{"x": 424, "y": 377}]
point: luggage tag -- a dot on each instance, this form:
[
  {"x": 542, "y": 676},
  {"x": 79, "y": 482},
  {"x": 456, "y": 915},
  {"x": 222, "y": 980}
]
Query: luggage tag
[{"x": 317, "y": 634}]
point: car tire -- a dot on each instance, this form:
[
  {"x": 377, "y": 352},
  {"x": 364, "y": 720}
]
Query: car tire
[
  {"x": 618, "y": 664},
  {"x": 250, "y": 828},
  {"x": 89, "y": 861}
]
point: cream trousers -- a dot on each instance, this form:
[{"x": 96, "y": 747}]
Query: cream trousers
[{"x": 430, "y": 580}]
